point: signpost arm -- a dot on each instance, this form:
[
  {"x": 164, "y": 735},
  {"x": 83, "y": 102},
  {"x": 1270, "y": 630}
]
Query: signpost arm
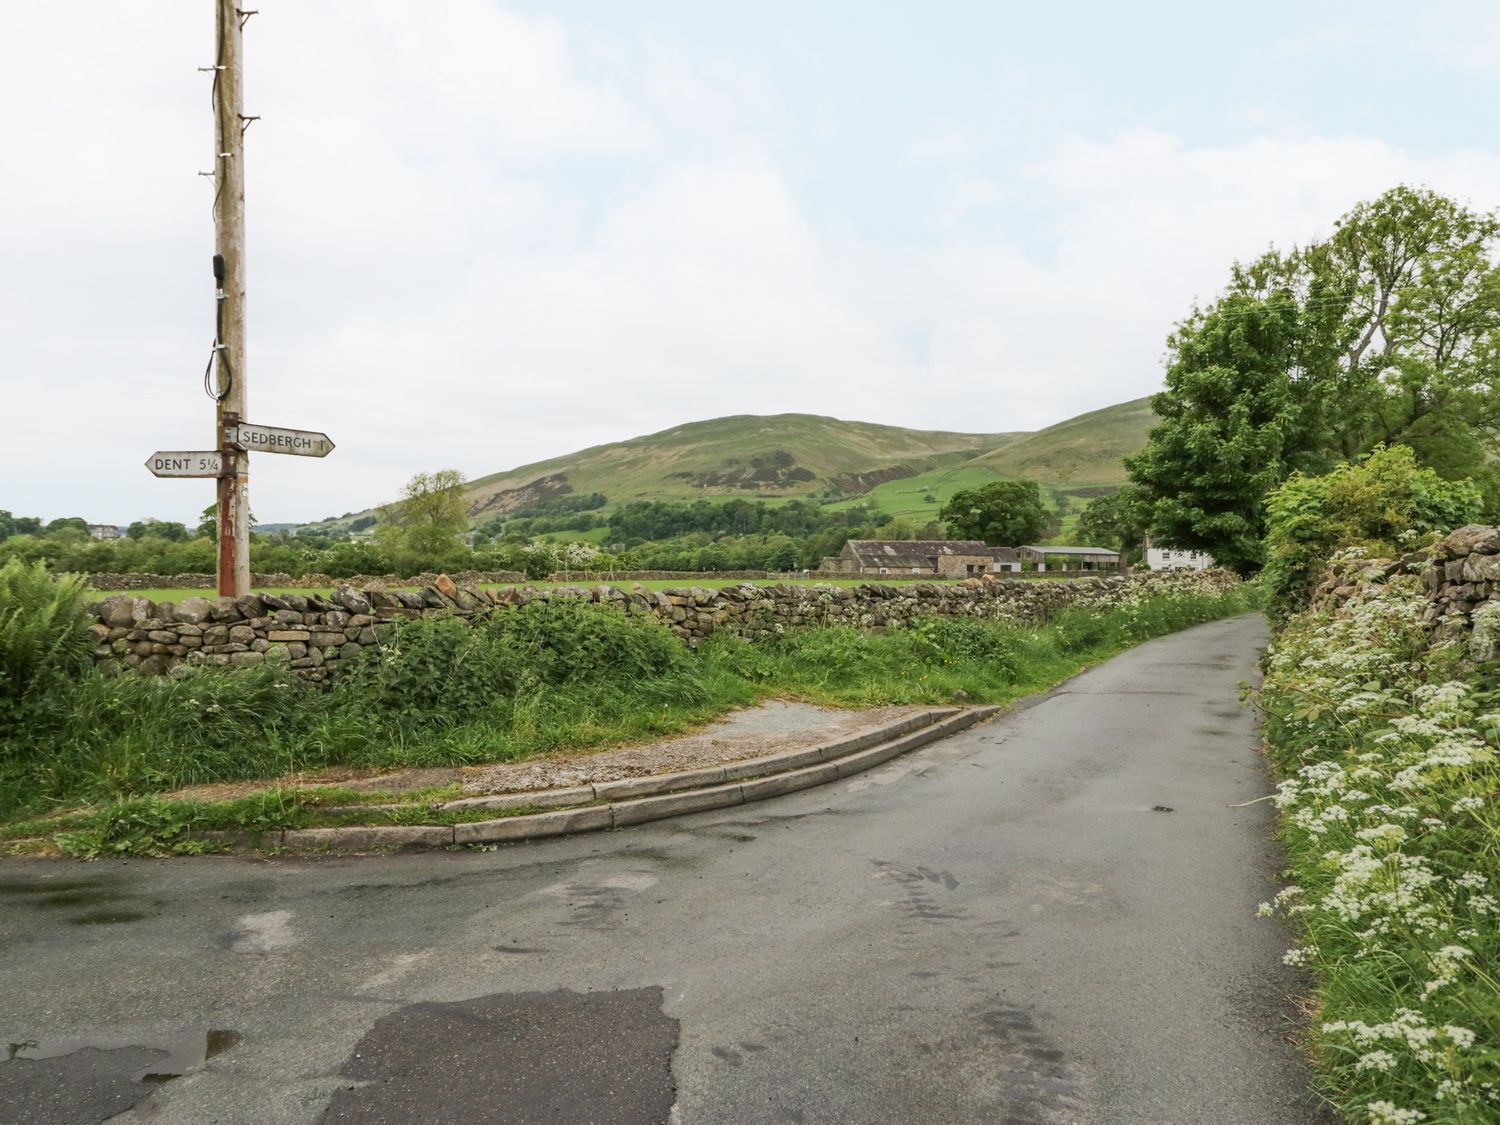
[{"x": 229, "y": 274}]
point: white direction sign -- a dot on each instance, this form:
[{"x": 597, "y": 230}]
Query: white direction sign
[
  {"x": 271, "y": 439},
  {"x": 185, "y": 463}
]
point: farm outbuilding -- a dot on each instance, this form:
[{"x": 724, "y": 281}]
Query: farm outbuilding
[
  {"x": 1071, "y": 558},
  {"x": 941, "y": 558}
]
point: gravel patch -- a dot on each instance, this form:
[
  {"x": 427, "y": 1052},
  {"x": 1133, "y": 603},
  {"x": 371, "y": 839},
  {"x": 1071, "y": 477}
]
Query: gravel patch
[{"x": 752, "y": 733}]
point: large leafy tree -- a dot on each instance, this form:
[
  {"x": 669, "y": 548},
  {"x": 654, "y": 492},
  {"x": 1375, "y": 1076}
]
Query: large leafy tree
[
  {"x": 1389, "y": 331},
  {"x": 1119, "y": 519},
  {"x": 1002, "y": 513},
  {"x": 422, "y": 528}
]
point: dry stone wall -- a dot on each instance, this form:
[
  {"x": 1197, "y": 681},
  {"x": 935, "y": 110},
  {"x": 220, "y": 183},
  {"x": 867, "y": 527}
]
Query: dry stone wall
[
  {"x": 1461, "y": 574},
  {"x": 313, "y": 635}
]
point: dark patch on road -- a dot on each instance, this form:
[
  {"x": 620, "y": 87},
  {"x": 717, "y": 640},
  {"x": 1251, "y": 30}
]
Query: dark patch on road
[
  {"x": 521, "y": 949},
  {"x": 77, "y": 1082},
  {"x": 594, "y": 908},
  {"x": 79, "y": 898},
  {"x": 112, "y": 904},
  {"x": 524, "y": 1058},
  {"x": 664, "y": 857},
  {"x": 106, "y": 918},
  {"x": 28, "y": 887},
  {"x": 786, "y": 819},
  {"x": 1162, "y": 808},
  {"x": 916, "y": 883},
  {"x": 1040, "y": 1085},
  {"x": 727, "y": 1054},
  {"x": 81, "y": 1088},
  {"x": 716, "y": 832}
]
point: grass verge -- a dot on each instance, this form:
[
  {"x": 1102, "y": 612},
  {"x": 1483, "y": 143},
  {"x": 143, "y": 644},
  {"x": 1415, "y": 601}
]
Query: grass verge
[
  {"x": 541, "y": 677},
  {"x": 1390, "y": 749}
]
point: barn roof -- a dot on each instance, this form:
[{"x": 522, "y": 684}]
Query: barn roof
[
  {"x": 1096, "y": 552},
  {"x": 916, "y": 552}
]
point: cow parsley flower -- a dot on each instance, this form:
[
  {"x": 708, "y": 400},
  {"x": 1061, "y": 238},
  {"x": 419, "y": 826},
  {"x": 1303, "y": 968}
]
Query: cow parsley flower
[
  {"x": 1376, "y": 1060},
  {"x": 1386, "y": 1113}
]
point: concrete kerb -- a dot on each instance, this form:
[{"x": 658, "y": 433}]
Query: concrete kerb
[
  {"x": 656, "y": 784},
  {"x": 754, "y": 780}
]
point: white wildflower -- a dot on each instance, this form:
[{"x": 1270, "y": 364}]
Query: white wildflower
[
  {"x": 1386, "y": 1113},
  {"x": 1376, "y": 1060}
]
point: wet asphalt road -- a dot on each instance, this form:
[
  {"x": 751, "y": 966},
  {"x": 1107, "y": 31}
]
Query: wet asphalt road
[{"x": 1046, "y": 919}]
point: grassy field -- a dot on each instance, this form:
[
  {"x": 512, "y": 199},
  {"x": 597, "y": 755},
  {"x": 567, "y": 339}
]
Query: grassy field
[
  {"x": 907, "y": 498},
  {"x": 598, "y": 536}
]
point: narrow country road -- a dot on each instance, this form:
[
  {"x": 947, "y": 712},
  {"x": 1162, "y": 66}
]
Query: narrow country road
[{"x": 1046, "y": 919}]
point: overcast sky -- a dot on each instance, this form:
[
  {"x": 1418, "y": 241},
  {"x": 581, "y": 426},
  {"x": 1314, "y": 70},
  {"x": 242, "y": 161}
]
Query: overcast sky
[{"x": 484, "y": 233}]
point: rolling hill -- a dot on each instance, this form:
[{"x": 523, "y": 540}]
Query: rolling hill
[
  {"x": 904, "y": 472},
  {"x": 778, "y": 455},
  {"x": 1086, "y": 450}
]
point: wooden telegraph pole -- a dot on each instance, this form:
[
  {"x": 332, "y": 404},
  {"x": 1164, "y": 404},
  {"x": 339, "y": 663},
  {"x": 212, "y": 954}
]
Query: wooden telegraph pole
[
  {"x": 234, "y": 435},
  {"x": 229, "y": 295}
]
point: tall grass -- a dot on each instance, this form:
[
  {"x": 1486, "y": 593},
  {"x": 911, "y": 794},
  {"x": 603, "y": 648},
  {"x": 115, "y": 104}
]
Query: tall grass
[{"x": 44, "y": 638}]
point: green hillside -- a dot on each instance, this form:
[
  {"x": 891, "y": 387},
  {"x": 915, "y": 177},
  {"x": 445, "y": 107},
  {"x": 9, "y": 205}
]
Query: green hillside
[
  {"x": 905, "y": 473},
  {"x": 1086, "y": 450},
  {"x": 1072, "y": 461},
  {"x": 750, "y": 456}
]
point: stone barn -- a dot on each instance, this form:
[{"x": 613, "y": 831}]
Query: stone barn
[{"x": 938, "y": 558}]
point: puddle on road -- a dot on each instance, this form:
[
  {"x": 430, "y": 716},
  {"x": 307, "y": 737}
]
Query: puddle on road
[
  {"x": 86, "y": 1079},
  {"x": 180, "y": 1052}
]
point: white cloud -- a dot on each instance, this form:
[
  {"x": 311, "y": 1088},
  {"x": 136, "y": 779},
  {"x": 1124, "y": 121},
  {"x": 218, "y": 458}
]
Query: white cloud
[
  {"x": 1465, "y": 32},
  {"x": 479, "y": 239}
]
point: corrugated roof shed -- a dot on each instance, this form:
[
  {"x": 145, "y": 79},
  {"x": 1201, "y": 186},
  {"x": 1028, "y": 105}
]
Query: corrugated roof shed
[{"x": 1095, "y": 551}]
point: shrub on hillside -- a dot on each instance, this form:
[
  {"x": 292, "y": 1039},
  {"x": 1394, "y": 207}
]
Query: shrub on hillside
[{"x": 1383, "y": 504}]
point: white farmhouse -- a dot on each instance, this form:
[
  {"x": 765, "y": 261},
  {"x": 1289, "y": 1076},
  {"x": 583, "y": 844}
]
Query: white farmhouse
[{"x": 1169, "y": 558}]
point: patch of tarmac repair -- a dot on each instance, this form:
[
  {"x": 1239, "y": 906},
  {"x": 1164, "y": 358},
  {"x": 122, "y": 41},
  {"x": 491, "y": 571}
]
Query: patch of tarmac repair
[
  {"x": 587, "y": 1058},
  {"x": 260, "y": 933},
  {"x": 84, "y": 1081}
]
